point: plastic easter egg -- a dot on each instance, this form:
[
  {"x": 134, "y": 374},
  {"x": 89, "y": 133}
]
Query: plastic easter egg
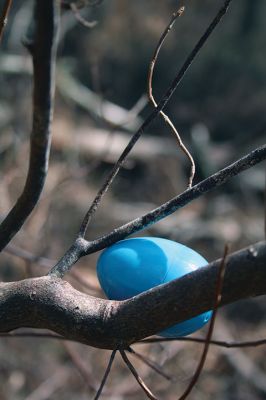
[{"x": 135, "y": 265}]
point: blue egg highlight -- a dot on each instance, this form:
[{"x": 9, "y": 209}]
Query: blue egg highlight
[{"x": 133, "y": 266}]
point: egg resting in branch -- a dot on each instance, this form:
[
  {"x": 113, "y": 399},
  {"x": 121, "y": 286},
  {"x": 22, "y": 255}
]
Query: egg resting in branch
[{"x": 132, "y": 266}]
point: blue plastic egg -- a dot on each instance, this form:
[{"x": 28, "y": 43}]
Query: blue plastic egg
[{"x": 134, "y": 265}]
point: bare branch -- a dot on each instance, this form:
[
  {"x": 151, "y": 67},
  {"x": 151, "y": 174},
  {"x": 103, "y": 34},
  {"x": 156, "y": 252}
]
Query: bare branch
[
  {"x": 51, "y": 303},
  {"x": 43, "y": 49},
  {"x": 150, "y": 94},
  {"x": 168, "y": 94},
  {"x": 166, "y": 209},
  {"x": 219, "y": 343},
  {"x": 142, "y": 384},
  {"x": 4, "y": 16},
  {"x": 81, "y": 247},
  {"x": 107, "y": 371}
]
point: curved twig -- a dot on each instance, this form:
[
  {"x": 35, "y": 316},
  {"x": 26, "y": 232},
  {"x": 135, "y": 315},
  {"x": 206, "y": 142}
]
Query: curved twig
[
  {"x": 152, "y": 99},
  {"x": 43, "y": 49},
  {"x": 132, "y": 369},
  {"x": 161, "y": 105}
]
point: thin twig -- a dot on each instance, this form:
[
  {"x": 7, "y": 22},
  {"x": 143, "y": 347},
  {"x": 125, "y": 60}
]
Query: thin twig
[
  {"x": 152, "y": 364},
  {"x": 218, "y": 297},
  {"x": 219, "y": 343},
  {"x": 166, "y": 209},
  {"x": 82, "y": 247},
  {"x": 153, "y": 101},
  {"x": 107, "y": 371},
  {"x": 79, "y": 17},
  {"x": 42, "y": 46},
  {"x": 168, "y": 94},
  {"x": 136, "y": 376},
  {"x": 4, "y": 17}
]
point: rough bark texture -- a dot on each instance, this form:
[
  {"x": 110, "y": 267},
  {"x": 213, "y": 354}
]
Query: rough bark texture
[{"x": 49, "y": 302}]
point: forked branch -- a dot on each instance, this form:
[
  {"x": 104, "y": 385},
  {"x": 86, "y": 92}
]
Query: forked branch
[
  {"x": 160, "y": 106},
  {"x": 82, "y": 247}
]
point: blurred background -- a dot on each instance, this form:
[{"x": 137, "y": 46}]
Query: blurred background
[{"x": 101, "y": 84}]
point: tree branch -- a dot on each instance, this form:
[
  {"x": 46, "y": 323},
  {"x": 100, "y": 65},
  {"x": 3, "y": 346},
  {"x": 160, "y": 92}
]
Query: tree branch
[
  {"x": 52, "y": 303},
  {"x": 82, "y": 247},
  {"x": 43, "y": 49},
  {"x": 159, "y": 107},
  {"x": 4, "y": 16},
  {"x": 154, "y": 103}
]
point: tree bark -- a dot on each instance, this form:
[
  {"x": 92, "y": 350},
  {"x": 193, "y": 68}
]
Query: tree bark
[{"x": 51, "y": 303}]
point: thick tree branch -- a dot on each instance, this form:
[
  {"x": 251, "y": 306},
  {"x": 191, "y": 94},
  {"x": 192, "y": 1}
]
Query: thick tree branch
[
  {"x": 43, "y": 49},
  {"x": 51, "y": 303}
]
